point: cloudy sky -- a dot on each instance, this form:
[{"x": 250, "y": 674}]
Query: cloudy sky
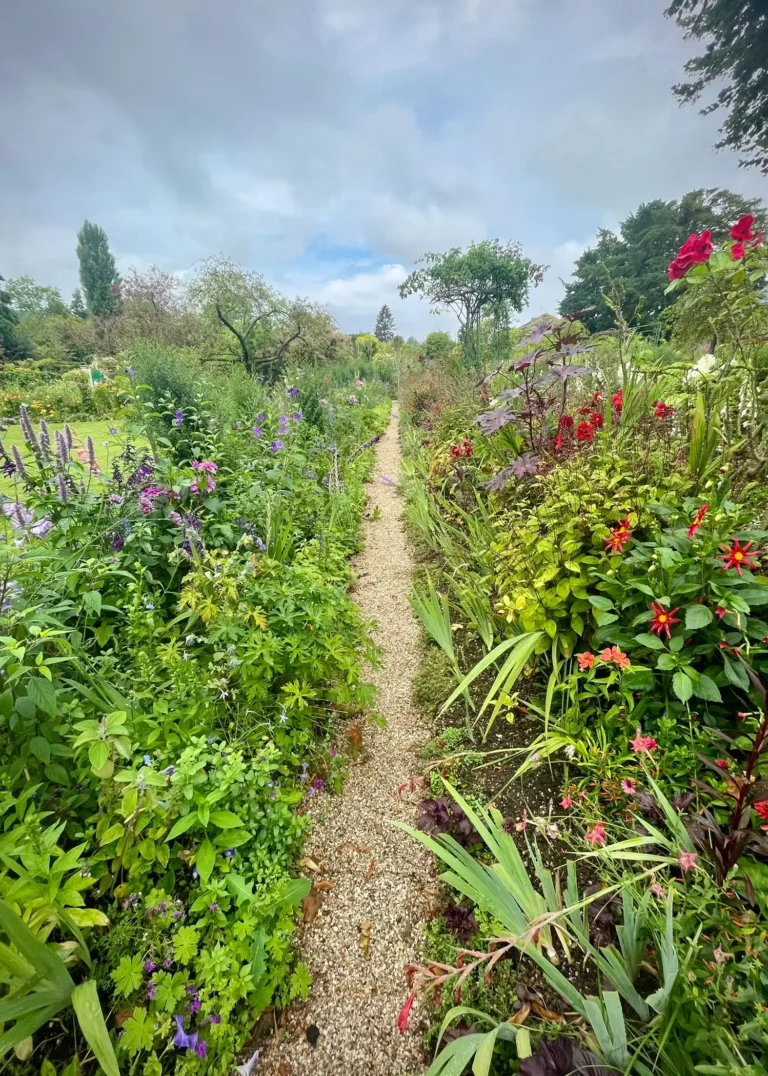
[{"x": 329, "y": 143}]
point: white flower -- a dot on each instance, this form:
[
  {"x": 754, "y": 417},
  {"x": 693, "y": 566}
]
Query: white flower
[
  {"x": 703, "y": 368},
  {"x": 570, "y": 750}
]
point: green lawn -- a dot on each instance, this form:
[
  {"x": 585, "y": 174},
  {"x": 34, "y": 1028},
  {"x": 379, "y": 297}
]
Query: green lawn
[{"x": 107, "y": 446}]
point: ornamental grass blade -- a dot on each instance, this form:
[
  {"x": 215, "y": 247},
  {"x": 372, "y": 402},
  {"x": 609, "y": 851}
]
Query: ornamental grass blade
[
  {"x": 508, "y": 674},
  {"x": 45, "y": 962},
  {"x": 482, "y": 665},
  {"x": 85, "y": 1002}
]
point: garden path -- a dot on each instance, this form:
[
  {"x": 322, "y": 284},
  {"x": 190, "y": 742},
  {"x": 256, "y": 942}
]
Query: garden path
[{"x": 368, "y": 927}]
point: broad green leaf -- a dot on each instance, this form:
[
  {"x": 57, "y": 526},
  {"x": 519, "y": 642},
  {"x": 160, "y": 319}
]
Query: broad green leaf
[
  {"x": 128, "y": 974},
  {"x": 682, "y": 685},
  {"x": 181, "y": 825},
  {"x": 92, "y": 602},
  {"x": 85, "y": 1001},
  {"x": 98, "y": 754},
  {"x": 40, "y": 748},
  {"x": 43, "y": 694},
  {"x": 225, "y": 819},
  {"x": 138, "y": 1032},
  {"x": 706, "y": 688},
  {"x": 652, "y": 642},
  {"x": 697, "y": 616},
  {"x": 205, "y": 859}
]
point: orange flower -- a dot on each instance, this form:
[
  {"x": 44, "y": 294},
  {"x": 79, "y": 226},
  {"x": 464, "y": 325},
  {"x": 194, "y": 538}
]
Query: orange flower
[
  {"x": 697, "y": 520},
  {"x": 585, "y": 660}
]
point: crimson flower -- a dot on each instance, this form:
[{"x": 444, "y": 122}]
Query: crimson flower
[
  {"x": 405, "y": 1012},
  {"x": 738, "y": 251},
  {"x": 585, "y": 432},
  {"x": 597, "y": 397},
  {"x": 721, "y": 611},
  {"x": 663, "y": 619},
  {"x": 455, "y": 451},
  {"x": 565, "y": 422},
  {"x": 585, "y": 660},
  {"x": 558, "y": 442},
  {"x": 596, "y": 420},
  {"x": 643, "y": 743},
  {"x": 742, "y": 229},
  {"x": 697, "y": 520},
  {"x": 696, "y": 248},
  {"x": 596, "y": 835},
  {"x": 617, "y": 400},
  {"x": 619, "y": 536},
  {"x": 467, "y": 449},
  {"x": 762, "y": 809},
  {"x": 663, "y": 410},
  {"x": 738, "y": 556},
  {"x": 722, "y": 763}
]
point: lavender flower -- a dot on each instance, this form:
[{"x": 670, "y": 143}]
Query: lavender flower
[
  {"x": 292, "y": 392},
  {"x": 257, "y": 431},
  {"x": 149, "y": 966},
  {"x": 214, "y": 1018},
  {"x": 91, "y": 449},
  {"x": 276, "y": 446},
  {"x": 45, "y": 441},
  {"x": 260, "y": 545},
  {"x": 178, "y": 418},
  {"x": 131, "y": 371},
  {"x": 41, "y": 527},
  {"x": 213, "y": 907},
  {"x": 61, "y": 488},
  {"x": 113, "y": 431},
  {"x": 117, "y": 542},
  {"x": 69, "y": 437},
  {"x": 27, "y": 431},
  {"x": 261, "y": 417},
  {"x": 151, "y": 990},
  {"x": 181, "y": 1040},
  {"x": 62, "y": 451},
  {"x": 296, "y": 416},
  {"x": 229, "y": 853},
  {"x": 19, "y": 462},
  {"x": 201, "y": 1048}
]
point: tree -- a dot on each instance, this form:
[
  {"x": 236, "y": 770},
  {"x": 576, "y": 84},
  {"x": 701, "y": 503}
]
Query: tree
[
  {"x": 259, "y": 324},
  {"x": 735, "y": 61},
  {"x": 77, "y": 306},
  {"x": 98, "y": 273},
  {"x": 385, "y": 325},
  {"x": 634, "y": 263},
  {"x": 490, "y": 273},
  {"x": 28, "y": 297},
  {"x": 13, "y": 346},
  {"x": 438, "y": 344},
  {"x": 366, "y": 346}
]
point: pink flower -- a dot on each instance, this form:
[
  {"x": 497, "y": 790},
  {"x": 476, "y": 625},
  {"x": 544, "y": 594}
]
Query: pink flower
[
  {"x": 722, "y": 763},
  {"x": 596, "y": 835},
  {"x": 658, "y": 890},
  {"x": 566, "y": 802},
  {"x": 204, "y": 465},
  {"x": 687, "y": 860},
  {"x": 405, "y": 1012},
  {"x": 643, "y": 743},
  {"x": 721, "y": 611},
  {"x": 629, "y": 787},
  {"x": 585, "y": 660}
]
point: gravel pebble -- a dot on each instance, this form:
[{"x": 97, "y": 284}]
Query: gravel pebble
[{"x": 366, "y": 932}]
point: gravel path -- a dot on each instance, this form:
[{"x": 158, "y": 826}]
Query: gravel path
[{"x": 367, "y": 928}]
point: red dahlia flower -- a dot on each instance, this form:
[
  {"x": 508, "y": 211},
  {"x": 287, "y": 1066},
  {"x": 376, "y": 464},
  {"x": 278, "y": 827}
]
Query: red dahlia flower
[
  {"x": 558, "y": 442},
  {"x": 663, "y": 410},
  {"x": 596, "y": 420},
  {"x": 597, "y": 397},
  {"x": 738, "y": 251},
  {"x": 456, "y": 451},
  {"x": 663, "y": 619},
  {"x": 618, "y": 400},
  {"x": 697, "y": 520},
  {"x": 696, "y": 248},
  {"x": 585, "y": 432},
  {"x": 565, "y": 422},
  {"x": 620, "y": 535},
  {"x": 742, "y": 229},
  {"x": 762, "y": 808},
  {"x": 738, "y": 556},
  {"x": 467, "y": 448}
]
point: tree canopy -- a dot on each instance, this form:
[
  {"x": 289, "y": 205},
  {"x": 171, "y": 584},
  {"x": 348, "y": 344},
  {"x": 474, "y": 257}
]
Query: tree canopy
[
  {"x": 385, "y": 325},
  {"x": 13, "y": 345},
  {"x": 487, "y": 274},
  {"x": 633, "y": 265},
  {"x": 99, "y": 278},
  {"x": 735, "y": 63},
  {"x": 28, "y": 297}
]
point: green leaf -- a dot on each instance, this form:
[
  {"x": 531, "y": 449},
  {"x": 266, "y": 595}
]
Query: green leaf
[
  {"x": 116, "y": 830},
  {"x": 25, "y": 706},
  {"x": 40, "y": 748},
  {"x": 138, "y": 1032},
  {"x": 637, "y": 678},
  {"x": 43, "y": 694},
  {"x": 258, "y": 955},
  {"x": 185, "y": 943},
  {"x": 706, "y": 688},
  {"x": 98, "y": 754},
  {"x": 182, "y": 825},
  {"x": 653, "y": 642},
  {"x": 242, "y": 891},
  {"x": 697, "y": 616},
  {"x": 754, "y": 595},
  {"x": 92, "y": 602},
  {"x": 598, "y": 602},
  {"x": 225, "y": 820},
  {"x": 605, "y": 618},
  {"x": 127, "y": 975},
  {"x": 103, "y": 633},
  {"x": 735, "y": 672},
  {"x": 682, "y": 685},
  {"x": 666, "y": 662},
  {"x": 205, "y": 859},
  {"x": 85, "y": 1002}
]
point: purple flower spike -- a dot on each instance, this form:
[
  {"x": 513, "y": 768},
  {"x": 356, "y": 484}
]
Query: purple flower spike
[
  {"x": 215, "y": 1018},
  {"x": 296, "y": 416},
  {"x": 151, "y": 988},
  {"x": 181, "y": 1040},
  {"x": 277, "y": 445},
  {"x": 256, "y": 431},
  {"x": 150, "y": 966},
  {"x": 201, "y": 1048},
  {"x": 292, "y": 392},
  {"x": 178, "y": 418}
]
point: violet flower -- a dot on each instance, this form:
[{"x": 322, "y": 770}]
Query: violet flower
[
  {"x": 181, "y": 1040},
  {"x": 292, "y": 392},
  {"x": 257, "y": 431},
  {"x": 276, "y": 446},
  {"x": 178, "y": 418}
]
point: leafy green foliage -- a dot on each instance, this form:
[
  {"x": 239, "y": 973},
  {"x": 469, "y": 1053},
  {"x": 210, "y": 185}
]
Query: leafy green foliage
[{"x": 99, "y": 278}]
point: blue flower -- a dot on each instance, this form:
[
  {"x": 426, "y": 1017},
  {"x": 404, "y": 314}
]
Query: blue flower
[
  {"x": 261, "y": 417},
  {"x": 296, "y": 416},
  {"x": 131, "y": 371},
  {"x": 260, "y": 545},
  {"x": 113, "y": 431},
  {"x": 181, "y": 1039},
  {"x": 292, "y": 392},
  {"x": 256, "y": 431},
  {"x": 147, "y": 760},
  {"x": 178, "y": 418},
  {"x": 276, "y": 446}
]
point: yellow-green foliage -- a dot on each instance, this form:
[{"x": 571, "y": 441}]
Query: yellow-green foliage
[{"x": 549, "y": 548}]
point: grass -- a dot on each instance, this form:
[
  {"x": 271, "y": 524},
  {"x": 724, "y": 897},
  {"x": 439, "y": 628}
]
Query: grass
[{"x": 107, "y": 446}]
